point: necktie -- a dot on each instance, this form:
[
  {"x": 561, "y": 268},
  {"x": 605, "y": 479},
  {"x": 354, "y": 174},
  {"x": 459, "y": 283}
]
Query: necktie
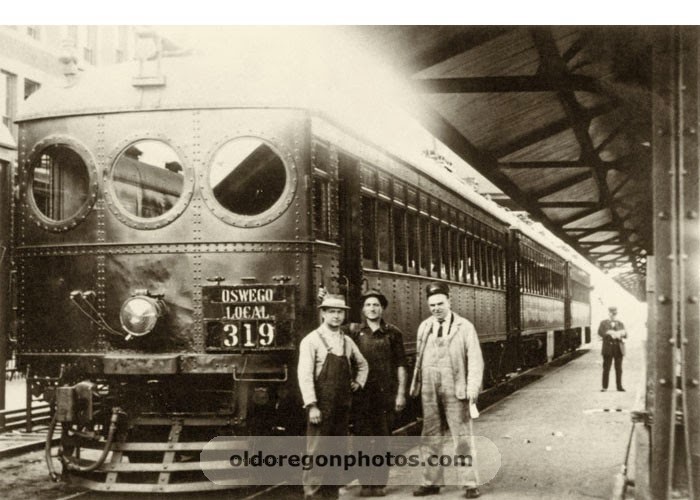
[{"x": 439, "y": 334}]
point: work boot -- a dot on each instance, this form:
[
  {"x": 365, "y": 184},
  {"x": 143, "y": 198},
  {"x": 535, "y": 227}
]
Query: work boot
[
  {"x": 472, "y": 493},
  {"x": 422, "y": 491}
]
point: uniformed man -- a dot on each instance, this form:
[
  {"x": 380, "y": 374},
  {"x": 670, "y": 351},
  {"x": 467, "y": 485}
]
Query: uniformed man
[
  {"x": 448, "y": 376},
  {"x": 384, "y": 393},
  {"x": 612, "y": 332},
  {"x": 330, "y": 369}
]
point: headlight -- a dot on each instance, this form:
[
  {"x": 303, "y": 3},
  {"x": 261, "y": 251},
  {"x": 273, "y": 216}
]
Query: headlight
[{"x": 140, "y": 314}]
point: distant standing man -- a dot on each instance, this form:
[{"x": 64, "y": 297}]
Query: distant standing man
[
  {"x": 448, "y": 375},
  {"x": 330, "y": 369},
  {"x": 385, "y": 391},
  {"x": 613, "y": 333}
]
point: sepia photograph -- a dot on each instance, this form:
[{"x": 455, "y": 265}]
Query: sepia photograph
[{"x": 283, "y": 258}]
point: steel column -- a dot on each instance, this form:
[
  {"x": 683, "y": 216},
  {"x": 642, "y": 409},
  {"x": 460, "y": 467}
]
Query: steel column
[
  {"x": 690, "y": 261},
  {"x": 674, "y": 389},
  {"x": 5, "y": 200}
]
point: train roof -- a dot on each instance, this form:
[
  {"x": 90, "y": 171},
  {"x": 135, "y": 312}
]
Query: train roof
[
  {"x": 241, "y": 80},
  {"x": 188, "y": 82},
  {"x": 458, "y": 186}
]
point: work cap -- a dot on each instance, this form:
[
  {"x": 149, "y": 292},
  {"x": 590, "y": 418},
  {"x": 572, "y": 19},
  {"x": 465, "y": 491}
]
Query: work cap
[
  {"x": 373, "y": 292},
  {"x": 331, "y": 301},
  {"x": 612, "y": 309},
  {"x": 437, "y": 287}
]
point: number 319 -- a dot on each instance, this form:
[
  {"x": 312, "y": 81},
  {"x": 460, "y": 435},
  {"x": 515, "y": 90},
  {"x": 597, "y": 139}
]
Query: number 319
[{"x": 266, "y": 335}]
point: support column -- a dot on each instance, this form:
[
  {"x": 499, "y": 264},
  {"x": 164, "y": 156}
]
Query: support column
[{"x": 674, "y": 396}]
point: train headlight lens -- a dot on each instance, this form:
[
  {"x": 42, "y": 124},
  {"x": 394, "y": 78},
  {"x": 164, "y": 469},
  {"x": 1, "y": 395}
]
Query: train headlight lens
[{"x": 140, "y": 314}]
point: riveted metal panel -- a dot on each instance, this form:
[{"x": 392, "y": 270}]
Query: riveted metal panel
[
  {"x": 166, "y": 274},
  {"x": 48, "y": 321},
  {"x": 689, "y": 207},
  {"x": 664, "y": 330}
]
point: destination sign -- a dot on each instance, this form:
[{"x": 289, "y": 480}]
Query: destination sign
[{"x": 248, "y": 316}]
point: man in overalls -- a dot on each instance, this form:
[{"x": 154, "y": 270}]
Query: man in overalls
[
  {"x": 331, "y": 367},
  {"x": 448, "y": 375},
  {"x": 385, "y": 391}
]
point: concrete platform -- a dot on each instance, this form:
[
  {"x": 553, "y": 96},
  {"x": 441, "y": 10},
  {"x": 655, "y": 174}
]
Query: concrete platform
[{"x": 559, "y": 437}]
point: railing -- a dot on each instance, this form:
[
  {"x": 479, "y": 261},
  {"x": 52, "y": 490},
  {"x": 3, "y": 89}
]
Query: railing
[{"x": 25, "y": 418}]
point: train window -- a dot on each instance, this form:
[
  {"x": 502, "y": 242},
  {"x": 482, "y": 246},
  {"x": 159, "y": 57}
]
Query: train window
[
  {"x": 147, "y": 179},
  {"x": 462, "y": 262},
  {"x": 435, "y": 249},
  {"x": 424, "y": 234},
  {"x": 412, "y": 223},
  {"x": 445, "y": 252},
  {"x": 383, "y": 235},
  {"x": 398, "y": 215},
  {"x": 247, "y": 176},
  {"x": 458, "y": 256},
  {"x": 369, "y": 244},
  {"x": 321, "y": 209},
  {"x": 60, "y": 183},
  {"x": 488, "y": 249}
]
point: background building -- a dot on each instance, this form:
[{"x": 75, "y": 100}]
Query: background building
[{"x": 29, "y": 57}]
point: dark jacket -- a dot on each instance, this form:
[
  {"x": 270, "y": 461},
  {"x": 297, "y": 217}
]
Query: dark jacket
[{"x": 611, "y": 344}]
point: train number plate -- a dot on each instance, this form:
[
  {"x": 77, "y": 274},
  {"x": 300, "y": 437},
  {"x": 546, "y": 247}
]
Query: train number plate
[{"x": 248, "y": 334}]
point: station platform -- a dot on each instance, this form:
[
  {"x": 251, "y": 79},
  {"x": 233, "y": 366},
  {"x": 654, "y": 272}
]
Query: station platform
[{"x": 559, "y": 437}]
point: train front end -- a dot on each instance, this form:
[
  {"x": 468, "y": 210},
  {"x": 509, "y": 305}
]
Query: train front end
[{"x": 162, "y": 269}]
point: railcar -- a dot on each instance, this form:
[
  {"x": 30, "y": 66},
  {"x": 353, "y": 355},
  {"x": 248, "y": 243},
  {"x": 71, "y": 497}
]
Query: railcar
[{"x": 170, "y": 233}]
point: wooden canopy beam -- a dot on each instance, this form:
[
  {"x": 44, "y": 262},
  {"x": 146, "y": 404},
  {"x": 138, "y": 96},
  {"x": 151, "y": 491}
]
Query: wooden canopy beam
[{"x": 520, "y": 83}]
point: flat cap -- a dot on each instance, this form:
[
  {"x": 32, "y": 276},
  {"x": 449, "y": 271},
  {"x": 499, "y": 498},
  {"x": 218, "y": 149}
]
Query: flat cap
[
  {"x": 373, "y": 292},
  {"x": 331, "y": 301},
  {"x": 612, "y": 309},
  {"x": 437, "y": 287}
]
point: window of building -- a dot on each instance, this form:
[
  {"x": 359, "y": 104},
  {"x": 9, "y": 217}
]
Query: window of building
[
  {"x": 89, "y": 55},
  {"x": 30, "y": 87},
  {"x": 90, "y": 46},
  {"x": 122, "y": 43},
  {"x": 72, "y": 33},
  {"x": 34, "y": 32},
  {"x": 8, "y": 92}
]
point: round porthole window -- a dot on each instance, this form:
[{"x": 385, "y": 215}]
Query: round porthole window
[
  {"x": 250, "y": 181},
  {"x": 148, "y": 184},
  {"x": 61, "y": 185}
]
